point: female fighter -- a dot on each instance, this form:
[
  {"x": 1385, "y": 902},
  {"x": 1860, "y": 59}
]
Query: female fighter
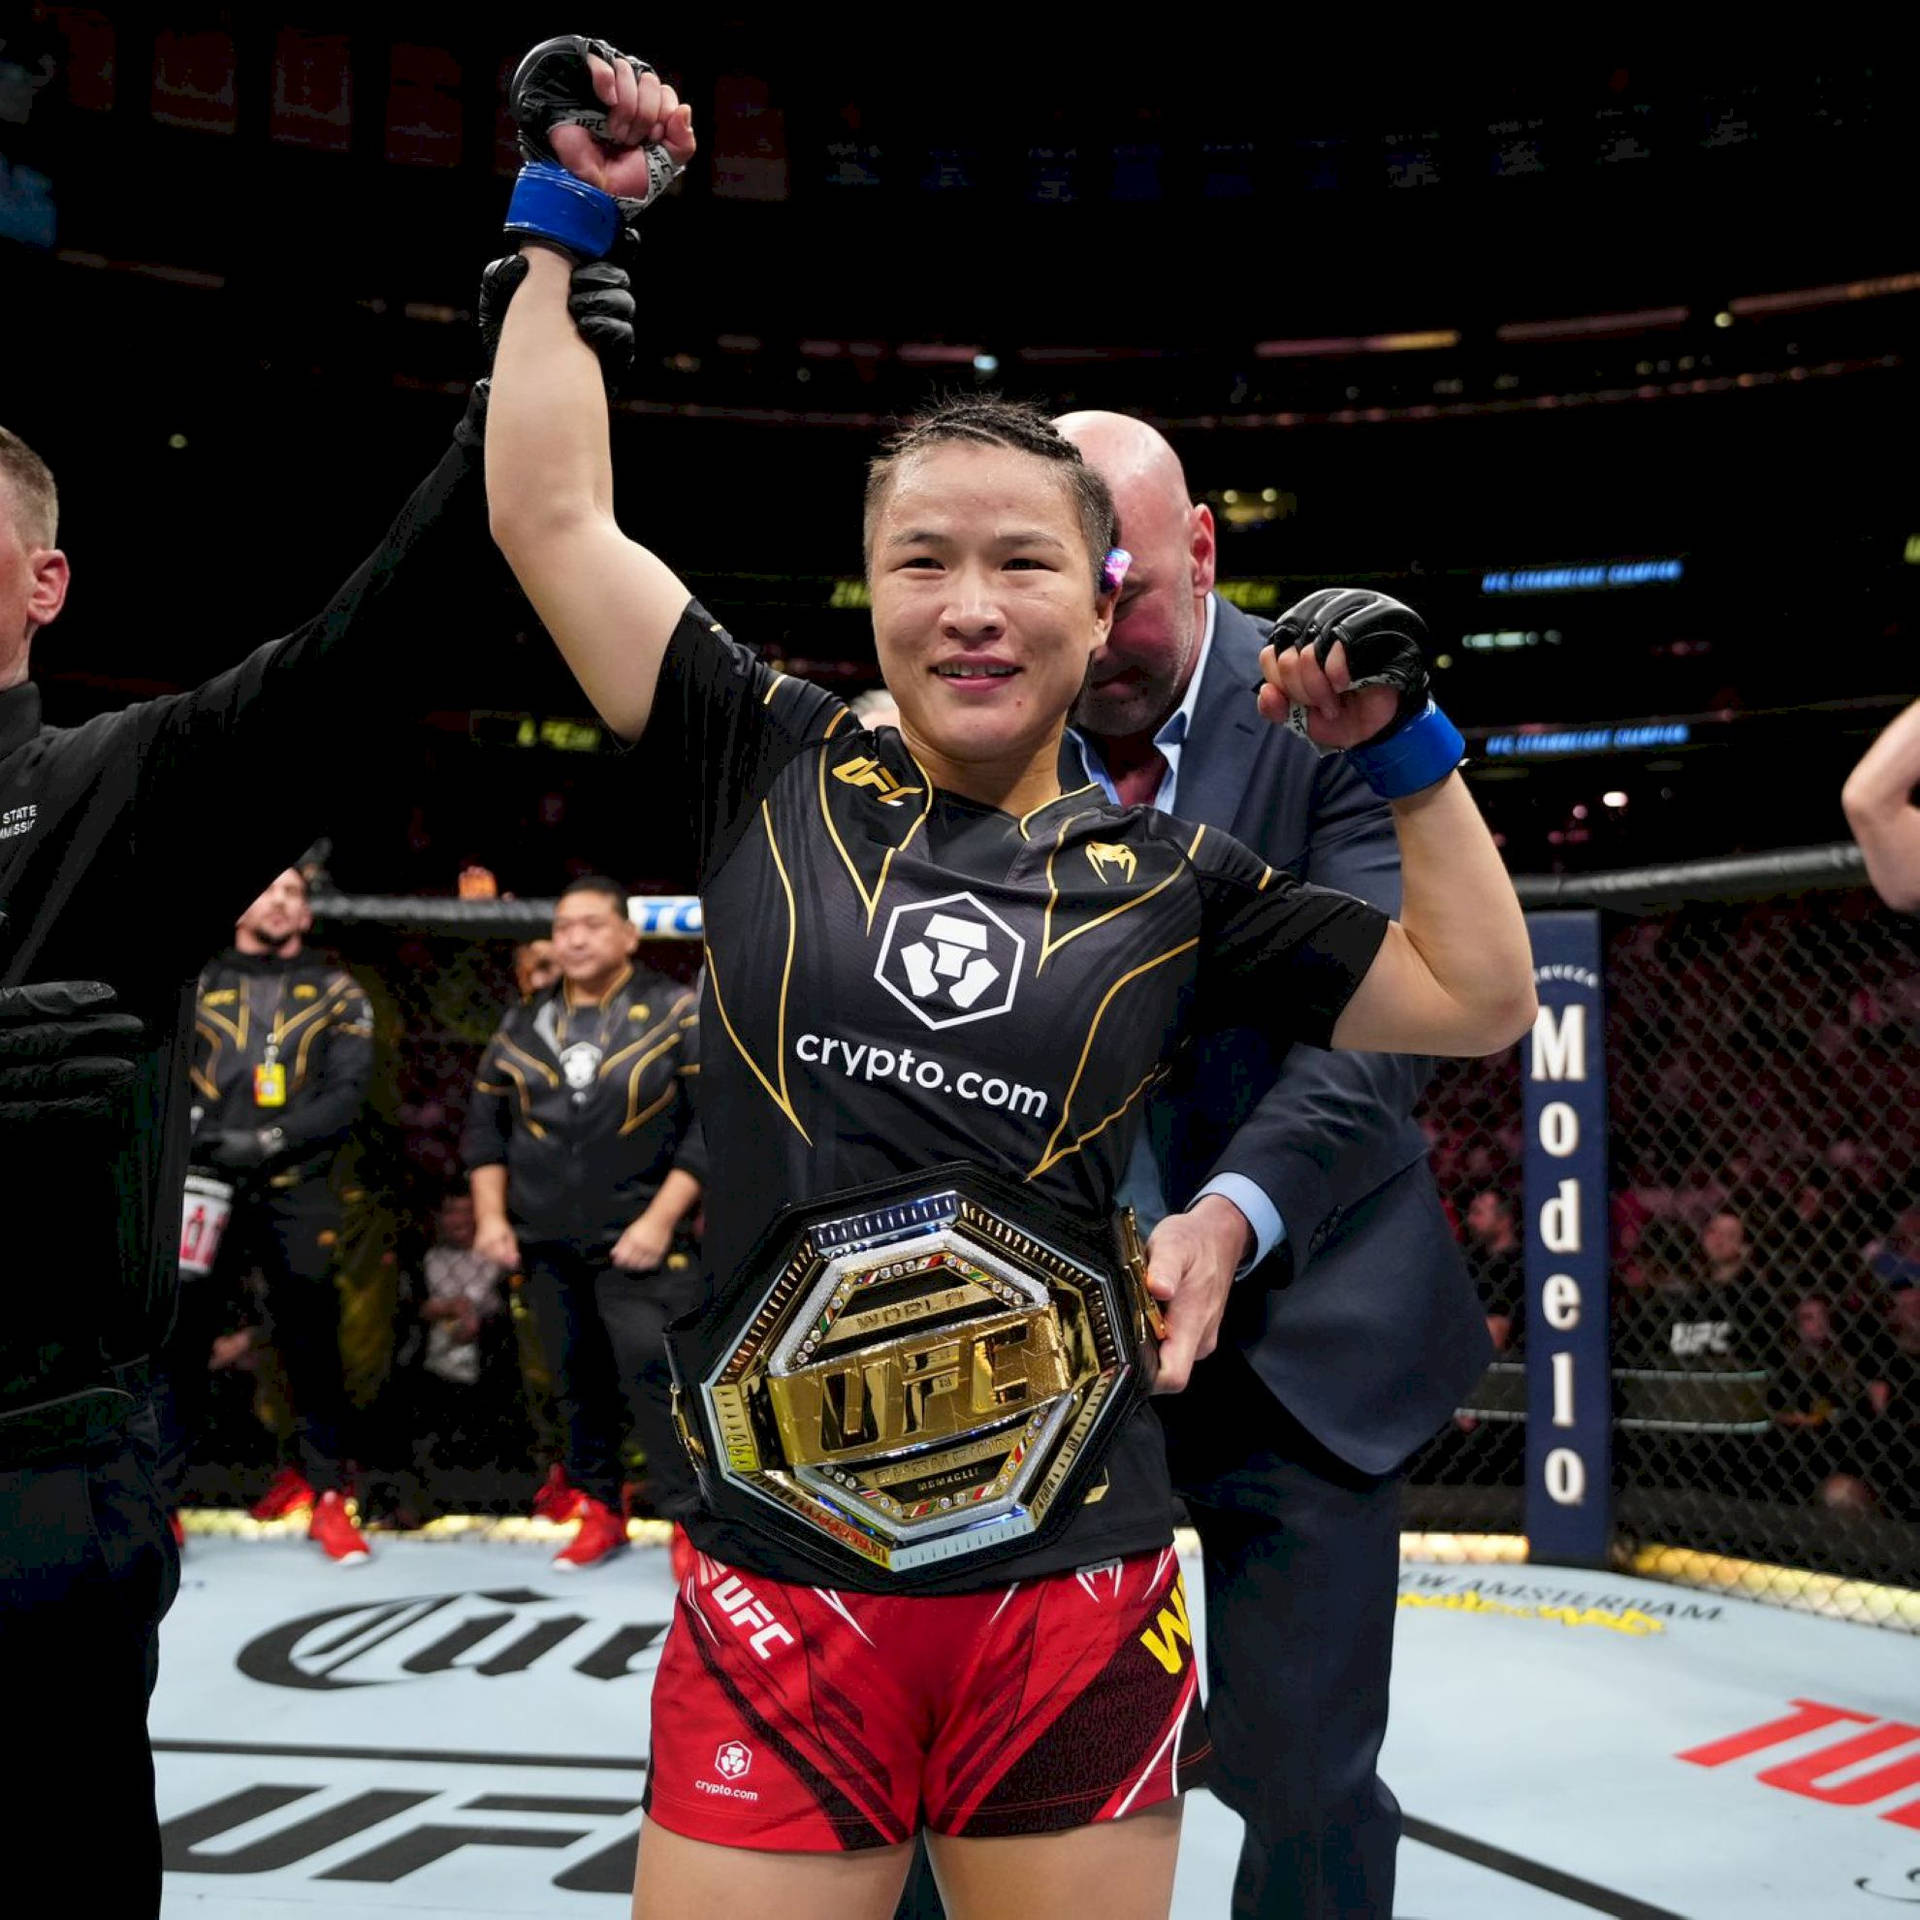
[{"x": 922, "y": 952}]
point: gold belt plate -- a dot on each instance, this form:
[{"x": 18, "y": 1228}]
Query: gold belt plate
[{"x": 918, "y": 1383}]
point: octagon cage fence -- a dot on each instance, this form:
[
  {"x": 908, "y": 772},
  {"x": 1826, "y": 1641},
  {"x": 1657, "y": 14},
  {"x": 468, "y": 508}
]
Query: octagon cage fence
[{"x": 1714, "y": 1380}]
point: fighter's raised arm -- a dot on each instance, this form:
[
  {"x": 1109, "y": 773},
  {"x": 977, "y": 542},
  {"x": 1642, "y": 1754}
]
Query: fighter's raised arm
[
  {"x": 603, "y": 136},
  {"x": 1455, "y": 973}
]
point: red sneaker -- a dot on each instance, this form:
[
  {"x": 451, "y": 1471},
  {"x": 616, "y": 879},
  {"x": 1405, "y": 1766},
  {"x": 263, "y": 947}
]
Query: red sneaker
[
  {"x": 680, "y": 1555},
  {"x": 602, "y": 1534},
  {"x": 558, "y": 1500},
  {"x": 286, "y": 1494},
  {"x": 334, "y": 1529},
  {"x": 178, "y": 1531}
]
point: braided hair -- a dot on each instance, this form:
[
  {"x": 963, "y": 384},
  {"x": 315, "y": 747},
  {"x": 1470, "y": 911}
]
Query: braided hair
[{"x": 985, "y": 420}]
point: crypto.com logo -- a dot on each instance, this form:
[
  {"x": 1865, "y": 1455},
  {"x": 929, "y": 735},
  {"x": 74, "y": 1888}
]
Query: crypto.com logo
[
  {"x": 950, "y": 960},
  {"x": 733, "y": 1760}
]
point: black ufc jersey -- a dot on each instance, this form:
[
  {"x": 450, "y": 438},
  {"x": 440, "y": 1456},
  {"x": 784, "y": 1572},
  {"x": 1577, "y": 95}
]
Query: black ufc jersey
[
  {"x": 898, "y": 977},
  {"x": 281, "y": 1043},
  {"x": 586, "y": 1106}
]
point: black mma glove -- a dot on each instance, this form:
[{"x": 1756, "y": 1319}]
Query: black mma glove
[
  {"x": 553, "y": 87},
  {"x": 599, "y": 297},
  {"x": 1386, "y": 645},
  {"x": 65, "y": 1060}
]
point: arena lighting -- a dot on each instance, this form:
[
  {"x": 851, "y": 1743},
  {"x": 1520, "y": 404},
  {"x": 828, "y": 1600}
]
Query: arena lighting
[
  {"x": 1585, "y": 326},
  {"x": 1574, "y": 740},
  {"x": 1801, "y": 298},
  {"x": 1585, "y": 578},
  {"x": 1615, "y": 798},
  {"x": 986, "y": 363},
  {"x": 1509, "y": 639},
  {"x": 1250, "y": 595},
  {"x": 1723, "y": 319},
  {"x": 1356, "y": 343},
  {"x": 537, "y": 730},
  {"x": 933, "y": 353}
]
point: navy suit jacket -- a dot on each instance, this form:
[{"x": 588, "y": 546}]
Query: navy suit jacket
[{"x": 1364, "y": 1324}]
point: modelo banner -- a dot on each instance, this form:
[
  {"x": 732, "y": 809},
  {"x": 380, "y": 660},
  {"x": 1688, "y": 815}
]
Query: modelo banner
[{"x": 1563, "y": 1078}]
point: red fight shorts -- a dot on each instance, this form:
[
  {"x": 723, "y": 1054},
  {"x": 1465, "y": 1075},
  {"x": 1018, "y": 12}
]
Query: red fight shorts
[{"x": 804, "y": 1720}]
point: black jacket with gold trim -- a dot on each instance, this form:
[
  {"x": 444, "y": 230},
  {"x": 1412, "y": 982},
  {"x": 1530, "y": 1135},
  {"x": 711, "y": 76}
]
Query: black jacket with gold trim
[
  {"x": 308, "y": 1018},
  {"x": 587, "y": 1105}
]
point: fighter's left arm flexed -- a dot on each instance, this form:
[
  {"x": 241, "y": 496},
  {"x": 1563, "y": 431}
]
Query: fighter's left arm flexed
[{"x": 1346, "y": 668}]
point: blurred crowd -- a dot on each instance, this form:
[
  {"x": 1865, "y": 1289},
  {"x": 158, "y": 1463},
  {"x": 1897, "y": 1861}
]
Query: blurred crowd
[
  {"x": 1764, "y": 1082},
  {"x": 1764, "y": 1070}
]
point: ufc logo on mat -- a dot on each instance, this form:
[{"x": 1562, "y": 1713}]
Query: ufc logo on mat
[{"x": 735, "y": 1599}]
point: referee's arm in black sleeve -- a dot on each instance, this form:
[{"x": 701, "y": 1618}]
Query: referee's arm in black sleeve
[{"x": 233, "y": 780}]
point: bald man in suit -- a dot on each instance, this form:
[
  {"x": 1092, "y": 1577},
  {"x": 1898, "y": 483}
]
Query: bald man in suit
[{"x": 1320, "y": 1289}]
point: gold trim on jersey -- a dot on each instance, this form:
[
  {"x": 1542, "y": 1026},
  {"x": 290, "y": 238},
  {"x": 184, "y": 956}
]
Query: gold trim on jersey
[
  {"x": 633, "y": 1119},
  {"x": 1072, "y": 793},
  {"x": 640, "y": 1040},
  {"x": 1049, "y": 946},
  {"x": 311, "y": 1018},
  {"x": 1049, "y": 1157},
  {"x": 509, "y": 1045},
  {"x": 779, "y": 1096},
  {"x": 205, "y": 1082},
  {"x": 871, "y": 901},
  {"x": 739, "y": 1047}
]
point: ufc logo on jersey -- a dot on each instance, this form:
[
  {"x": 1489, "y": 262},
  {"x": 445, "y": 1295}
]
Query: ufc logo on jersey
[
  {"x": 950, "y": 960},
  {"x": 863, "y": 772},
  {"x": 735, "y": 1599}
]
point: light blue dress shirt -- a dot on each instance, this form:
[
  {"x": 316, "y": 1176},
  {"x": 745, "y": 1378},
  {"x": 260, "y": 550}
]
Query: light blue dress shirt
[{"x": 1141, "y": 1189}]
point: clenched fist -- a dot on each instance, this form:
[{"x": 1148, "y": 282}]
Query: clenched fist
[
  {"x": 1348, "y": 667},
  {"x": 605, "y": 116}
]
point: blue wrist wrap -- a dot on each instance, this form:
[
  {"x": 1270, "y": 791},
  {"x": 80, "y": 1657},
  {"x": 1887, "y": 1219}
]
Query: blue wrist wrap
[
  {"x": 1421, "y": 754},
  {"x": 550, "y": 204}
]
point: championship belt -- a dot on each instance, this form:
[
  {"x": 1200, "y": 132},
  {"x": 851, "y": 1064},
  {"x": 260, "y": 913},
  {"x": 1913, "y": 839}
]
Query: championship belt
[{"x": 916, "y": 1376}]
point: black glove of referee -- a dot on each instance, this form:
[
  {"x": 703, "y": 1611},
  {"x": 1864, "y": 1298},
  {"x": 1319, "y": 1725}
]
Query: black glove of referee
[
  {"x": 600, "y": 298},
  {"x": 238, "y": 1149},
  {"x": 66, "y": 1059}
]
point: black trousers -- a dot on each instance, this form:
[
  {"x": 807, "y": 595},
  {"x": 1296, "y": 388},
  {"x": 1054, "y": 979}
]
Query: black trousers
[
  {"x": 184, "y": 1386},
  {"x": 290, "y": 1236},
  {"x": 1302, "y": 1558},
  {"x": 87, "y": 1570},
  {"x": 603, "y": 1332}
]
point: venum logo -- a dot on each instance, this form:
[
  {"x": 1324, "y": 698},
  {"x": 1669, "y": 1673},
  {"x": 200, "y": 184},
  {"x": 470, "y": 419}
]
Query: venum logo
[
  {"x": 950, "y": 960},
  {"x": 1103, "y": 855}
]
